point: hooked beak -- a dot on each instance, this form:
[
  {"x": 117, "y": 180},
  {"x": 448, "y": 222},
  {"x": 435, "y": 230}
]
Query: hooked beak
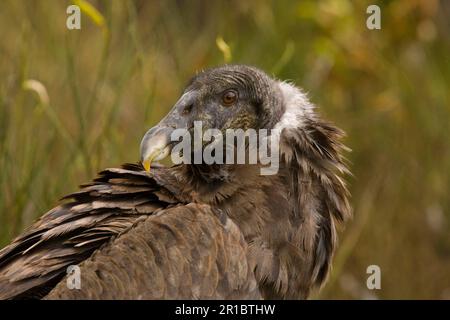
[{"x": 155, "y": 145}]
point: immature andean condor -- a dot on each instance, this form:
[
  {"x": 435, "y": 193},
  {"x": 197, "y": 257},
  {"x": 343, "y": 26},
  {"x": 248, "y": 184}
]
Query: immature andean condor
[{"x": 197, "y": 231}]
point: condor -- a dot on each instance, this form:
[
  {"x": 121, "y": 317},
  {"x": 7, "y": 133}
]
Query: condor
[{"x": 198, "y": 231}]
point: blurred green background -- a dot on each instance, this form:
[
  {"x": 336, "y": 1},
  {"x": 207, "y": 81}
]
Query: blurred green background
[{"x": 94, "y": 92}]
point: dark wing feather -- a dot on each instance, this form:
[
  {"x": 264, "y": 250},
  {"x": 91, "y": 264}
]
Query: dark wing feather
[
  {"x": 185, "y": 252},
  {"x": 68, "y": 234}
]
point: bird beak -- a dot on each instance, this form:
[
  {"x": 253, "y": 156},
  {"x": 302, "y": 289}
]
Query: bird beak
[{"x": 156, "y": 145}]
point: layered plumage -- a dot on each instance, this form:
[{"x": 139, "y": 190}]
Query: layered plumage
[{"x": 197, "y": 230}]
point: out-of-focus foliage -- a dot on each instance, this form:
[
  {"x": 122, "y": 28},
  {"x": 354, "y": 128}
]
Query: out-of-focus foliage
[{"x": 95, "y": 91}]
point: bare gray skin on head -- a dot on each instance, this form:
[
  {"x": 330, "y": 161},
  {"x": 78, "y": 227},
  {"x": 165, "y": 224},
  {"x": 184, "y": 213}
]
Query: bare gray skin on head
[
  {"x": 198, "y": 231},
  {"x": 259, "y": 105}
]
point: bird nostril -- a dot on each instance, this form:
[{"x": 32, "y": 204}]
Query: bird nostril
[{"x": 187, "y": 109}]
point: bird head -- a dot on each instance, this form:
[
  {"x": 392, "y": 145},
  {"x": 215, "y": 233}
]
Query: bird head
[{"x": 227, "y": 97}]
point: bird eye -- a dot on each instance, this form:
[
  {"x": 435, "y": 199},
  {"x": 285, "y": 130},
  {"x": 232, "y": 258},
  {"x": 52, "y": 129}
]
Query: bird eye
[{"x": 229, "y": 97}]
